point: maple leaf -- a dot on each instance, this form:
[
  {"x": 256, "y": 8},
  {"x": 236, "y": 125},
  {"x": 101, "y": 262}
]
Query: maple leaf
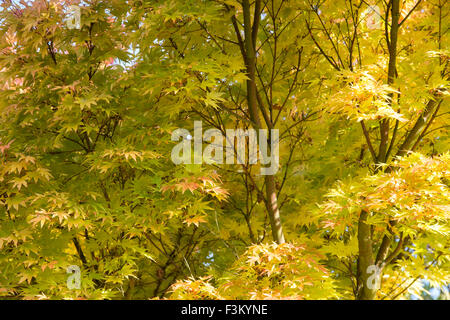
[{"x": 195, "y": 220}]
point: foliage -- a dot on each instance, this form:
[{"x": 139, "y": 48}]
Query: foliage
[{"x": 86, "y": 177}]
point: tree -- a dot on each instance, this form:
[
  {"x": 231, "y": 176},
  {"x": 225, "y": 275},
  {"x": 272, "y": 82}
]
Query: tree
[{"x": 356, "y": 208}]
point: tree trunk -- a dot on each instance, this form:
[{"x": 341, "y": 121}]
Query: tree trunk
[
  {"x": 365, "y": 259},
  {"x": 250, "y": 33}
]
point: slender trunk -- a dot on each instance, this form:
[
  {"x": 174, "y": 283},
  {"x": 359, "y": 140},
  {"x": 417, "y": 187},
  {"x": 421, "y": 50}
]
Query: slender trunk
[
  {"x": 249, "y": 41},
  {"x": 365, "y": 258},
  {"x": 392, "y": 69},
  {"x": 272, "y": 208}
]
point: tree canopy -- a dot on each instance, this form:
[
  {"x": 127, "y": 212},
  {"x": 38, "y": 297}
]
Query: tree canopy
[{"x": 356, "y": 90}]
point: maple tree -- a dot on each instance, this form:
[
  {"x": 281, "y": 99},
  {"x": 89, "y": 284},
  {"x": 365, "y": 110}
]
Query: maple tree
[{"x": 359, "y": 208}]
